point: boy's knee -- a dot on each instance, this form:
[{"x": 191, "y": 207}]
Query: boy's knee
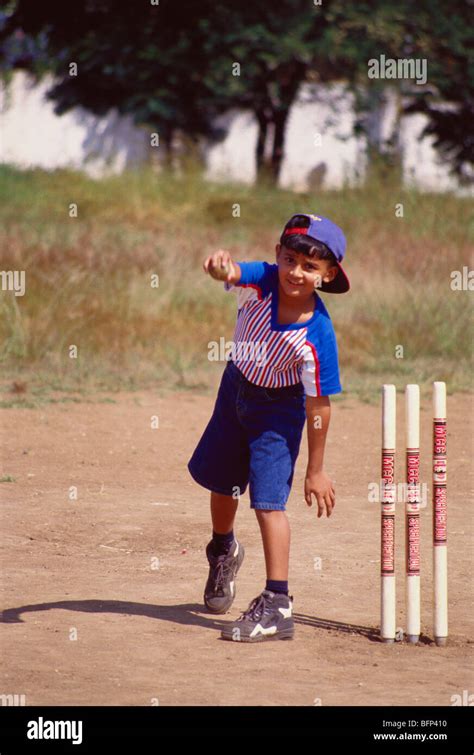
[{"x": 264, "y": 513}]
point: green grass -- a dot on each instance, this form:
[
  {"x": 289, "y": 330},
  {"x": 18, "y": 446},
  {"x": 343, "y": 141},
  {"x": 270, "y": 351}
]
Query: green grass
[{"x": 88, "y": 281}]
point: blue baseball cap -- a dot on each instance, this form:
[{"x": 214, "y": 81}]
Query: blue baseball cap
[{"x": 324, "y": 230}]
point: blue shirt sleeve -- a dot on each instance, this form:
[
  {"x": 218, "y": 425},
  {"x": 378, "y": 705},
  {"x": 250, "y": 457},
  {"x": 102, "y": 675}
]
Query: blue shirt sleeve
[
  {"x": 319, "y": 370},
  {"x": 253, "y": 273},
  {"x": 329, "y": 379}
]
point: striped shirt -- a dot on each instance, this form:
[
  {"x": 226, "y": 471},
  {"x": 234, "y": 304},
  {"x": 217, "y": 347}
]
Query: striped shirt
[{"x": 274, "y": 355}]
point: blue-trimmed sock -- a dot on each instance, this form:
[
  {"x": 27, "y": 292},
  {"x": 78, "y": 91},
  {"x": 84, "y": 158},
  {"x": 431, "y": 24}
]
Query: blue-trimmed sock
[
  {"x": 275, "y": 585},
  {"x": 221, "y": 543}
]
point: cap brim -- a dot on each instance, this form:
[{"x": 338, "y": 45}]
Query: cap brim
[{"x": 339, "y": 285}]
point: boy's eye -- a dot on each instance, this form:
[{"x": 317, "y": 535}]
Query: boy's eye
[{"x": 308, "y": 266}]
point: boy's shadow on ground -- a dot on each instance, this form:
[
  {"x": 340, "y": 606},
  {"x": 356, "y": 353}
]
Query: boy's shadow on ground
[{"x": 185, "y": 613}]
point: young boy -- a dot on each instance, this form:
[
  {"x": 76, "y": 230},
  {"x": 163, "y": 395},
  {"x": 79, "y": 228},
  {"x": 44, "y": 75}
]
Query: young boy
[{"x": 283, "y": 367}]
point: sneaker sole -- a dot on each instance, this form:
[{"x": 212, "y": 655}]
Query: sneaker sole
[
  {"x": 285, "y": 634},
  {"x": 225, "y": 608}
]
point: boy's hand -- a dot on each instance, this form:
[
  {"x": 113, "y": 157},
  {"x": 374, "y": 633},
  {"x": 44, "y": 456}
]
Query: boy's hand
[
  {"x": 220, "y": 266},
  {"x": 319, "y": 485}
]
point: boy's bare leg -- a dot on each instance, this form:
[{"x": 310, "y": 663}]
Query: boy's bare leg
[
  {"x": 275, "y": 530},
  {"x": 223, "y": 508}
]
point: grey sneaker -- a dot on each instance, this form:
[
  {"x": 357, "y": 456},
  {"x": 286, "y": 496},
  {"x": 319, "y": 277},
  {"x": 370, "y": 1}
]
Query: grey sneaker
[
  {"x": 268, "y": 617},
  {"x": 219, "y": 592}
]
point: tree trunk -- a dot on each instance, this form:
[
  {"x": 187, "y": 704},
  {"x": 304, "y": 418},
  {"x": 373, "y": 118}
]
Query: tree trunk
[
  {"x": 261, "y": 140},
  {"x": 168, "y": 140},
  {"x": 280, "y": 120},
  {"x": 289, "y": 78}
]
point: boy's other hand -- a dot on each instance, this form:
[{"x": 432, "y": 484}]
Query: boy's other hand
[{"x": 319, "y": 485}]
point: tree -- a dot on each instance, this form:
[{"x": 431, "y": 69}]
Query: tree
[
  {"x": 171, "y": 66},
  {"x": 443, "y": 33},
  {"x": 432, "y": 30},
  {"x": 274, "y": 47},
  {"x": 140, "y": 58}
]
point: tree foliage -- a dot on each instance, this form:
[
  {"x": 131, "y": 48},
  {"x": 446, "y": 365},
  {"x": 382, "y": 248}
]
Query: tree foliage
[{"x": 171, "y": 65}]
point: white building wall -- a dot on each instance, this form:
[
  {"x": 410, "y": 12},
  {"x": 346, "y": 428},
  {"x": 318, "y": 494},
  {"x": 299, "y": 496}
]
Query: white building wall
[
  {"x": 422, "y": 164},
  {"x": 234, "y": 157},
  {"x": 31, "y": 135},
  {"x": 320, "y": 149}
]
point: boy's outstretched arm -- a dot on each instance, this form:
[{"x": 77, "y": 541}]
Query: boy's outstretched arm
[{"x": 317, "y": 483}]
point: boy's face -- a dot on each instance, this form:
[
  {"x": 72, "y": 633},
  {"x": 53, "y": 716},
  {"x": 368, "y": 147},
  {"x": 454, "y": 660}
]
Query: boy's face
[{"x": 300, "y": 275}]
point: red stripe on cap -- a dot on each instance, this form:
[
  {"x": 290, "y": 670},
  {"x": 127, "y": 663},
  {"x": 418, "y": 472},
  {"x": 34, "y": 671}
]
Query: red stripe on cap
[{"x": 295, "y": 230}]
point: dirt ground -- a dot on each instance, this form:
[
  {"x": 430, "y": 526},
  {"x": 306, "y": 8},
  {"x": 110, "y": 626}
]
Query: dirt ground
[{"x": 102, "y": 596}]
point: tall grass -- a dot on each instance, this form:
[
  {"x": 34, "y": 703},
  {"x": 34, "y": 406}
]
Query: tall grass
[{"x": 88, "y": 279}]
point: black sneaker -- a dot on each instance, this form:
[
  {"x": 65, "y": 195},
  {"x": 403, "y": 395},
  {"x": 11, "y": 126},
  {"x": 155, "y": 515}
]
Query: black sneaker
[
  {"x": 268, "y": 617},
  {"x": 219, "y": 592}
]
